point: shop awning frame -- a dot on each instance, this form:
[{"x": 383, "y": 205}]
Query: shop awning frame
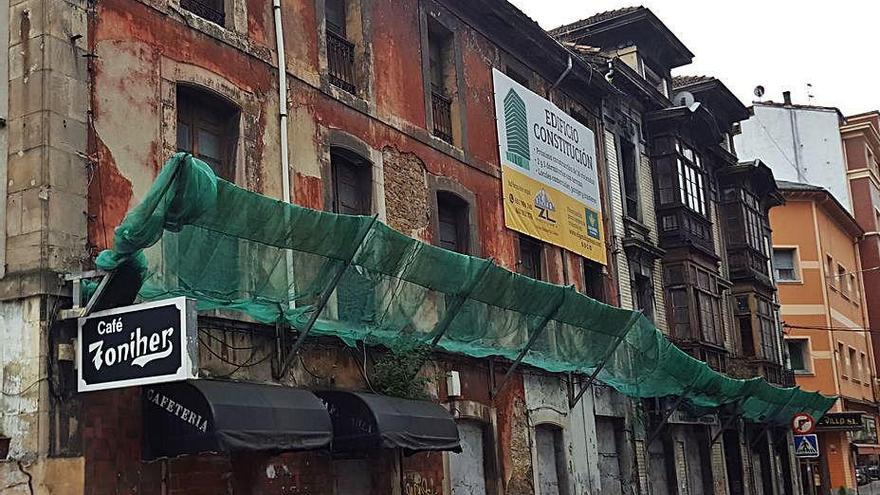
[
  {"x": 200, "y": 416},
  {"x": 364, "y": 421}
]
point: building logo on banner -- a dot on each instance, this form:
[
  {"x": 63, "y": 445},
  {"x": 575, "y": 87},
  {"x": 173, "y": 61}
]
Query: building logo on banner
[
  {"x": 548, "y": 171},
  {"x": 806, "y": 445},
  {"x": 137, "y": 345},
  {"x": 802, "y": 424}
]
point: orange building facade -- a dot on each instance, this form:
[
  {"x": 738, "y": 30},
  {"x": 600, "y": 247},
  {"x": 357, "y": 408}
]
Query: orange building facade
[{"x": 822, "y": 302}]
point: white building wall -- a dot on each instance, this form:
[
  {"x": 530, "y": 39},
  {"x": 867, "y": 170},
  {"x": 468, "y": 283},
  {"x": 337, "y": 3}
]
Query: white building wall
[{"x": 798, "y": 144}]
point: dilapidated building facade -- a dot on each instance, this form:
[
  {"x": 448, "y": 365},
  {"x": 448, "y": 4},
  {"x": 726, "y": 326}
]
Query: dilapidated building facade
[{"x": 357, "y": 112}]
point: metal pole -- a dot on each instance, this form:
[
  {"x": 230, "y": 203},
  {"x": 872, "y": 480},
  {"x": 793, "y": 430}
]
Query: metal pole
[
  {"x": 322, "y": 302},
  {"x": 768, "y": 425},
  {"x": 666, "y": 416},
  {"x": 522, "y": 353},
  {"x": 452, "y": 311},
  {"x": 727, "y": 424},
  {"x": 632, "y": 321}
]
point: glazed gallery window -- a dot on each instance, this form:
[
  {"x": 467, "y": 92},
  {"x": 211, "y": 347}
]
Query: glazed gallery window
[
  {"x": 691, "y": 180},
  {"x": 799, "y": 355},
  {"x": 785, "y": 264},
  {"x": 207, "y": 127},
  {"x": 694, "y": 303}
]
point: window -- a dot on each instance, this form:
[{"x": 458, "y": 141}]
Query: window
[
  {"x": 690, "y": 182},
  {"x": 785, "y": 265},
  {"x": 853, "y": 286},
  {"x": 340, "y": 51},
  {"x": 212, "y": 10},
  {"x": 552, "y": 471},
  {"x": 768, "y": 330},
  {"x": 530, "y": 257},
  {"x": 680, "y": 313},
  {"x": 746, "y": 336},
  {"x": 799, "y": 355},
  {"x": 630, "y": 179},
  {"x": 841, "y": 360},
  {"x": 853, "y": 364},
  {"x": 863, "y": 365},
  {"x": 452, "y": 215},
  {"x": 594, "y": 280},
  {"x": 207, "y": 127},
  {"x": 829, "y": 271},
  {"x": 842, "y": 281},
  {"x": 643, "y": 294},
  {"x": 352, "y": 182},
  {"x": 441, "y": 66}
]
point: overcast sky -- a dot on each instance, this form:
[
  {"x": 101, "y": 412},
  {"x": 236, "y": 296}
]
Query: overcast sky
[{"x": 779, "y": 44}]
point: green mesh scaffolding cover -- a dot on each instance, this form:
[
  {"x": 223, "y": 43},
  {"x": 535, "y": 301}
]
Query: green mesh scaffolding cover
[{"x": 234, "y": 249}]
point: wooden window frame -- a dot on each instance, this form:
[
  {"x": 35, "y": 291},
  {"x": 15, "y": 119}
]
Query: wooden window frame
[
  {"x": 451, "y": 204},
  {"x": 194, "y": 104}
]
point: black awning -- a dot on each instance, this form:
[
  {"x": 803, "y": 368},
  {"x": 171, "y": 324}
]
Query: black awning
[
  {"x": 364, "y": 421},
  {"x": 222, "y": 416}
]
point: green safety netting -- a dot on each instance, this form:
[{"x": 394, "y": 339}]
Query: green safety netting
[{"x": 234, "y": 249}]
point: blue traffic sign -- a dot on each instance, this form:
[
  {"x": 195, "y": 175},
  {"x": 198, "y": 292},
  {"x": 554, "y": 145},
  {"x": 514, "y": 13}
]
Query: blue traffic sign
[{"x": 806, "y": 445}]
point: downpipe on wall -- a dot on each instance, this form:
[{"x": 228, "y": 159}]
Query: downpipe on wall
[{"x": 282, "y": 128}]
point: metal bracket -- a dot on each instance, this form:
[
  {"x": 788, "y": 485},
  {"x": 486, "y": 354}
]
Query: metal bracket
[
  {"x": 78, "y": 310},
  {"x": 322, "y": 302},
  {"x": 451, "y": 312},
  {"x": 572, "y": 401},
  {"x": 668, "y": 414},
  {"x": 534, "y": 338},
  {"x": 724, "y": 426}
]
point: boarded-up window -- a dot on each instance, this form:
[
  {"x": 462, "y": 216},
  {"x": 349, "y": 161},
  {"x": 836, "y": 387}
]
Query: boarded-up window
[
  {"x": 608, "y": 433},
  {"x": 467, "y": 470},
  {"x": 552, "y": 472},
  {"x": 530, "y": 254},
  {"x": 352, "y": 182},
  {"x": 452, "y": 215}
]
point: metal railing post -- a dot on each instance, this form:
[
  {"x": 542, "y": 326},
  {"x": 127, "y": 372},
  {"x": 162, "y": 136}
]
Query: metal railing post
[
  {"x": 534, "y": 338},
  {"x": 632, "y": 321},
  {"x": 322, "y": 302}
]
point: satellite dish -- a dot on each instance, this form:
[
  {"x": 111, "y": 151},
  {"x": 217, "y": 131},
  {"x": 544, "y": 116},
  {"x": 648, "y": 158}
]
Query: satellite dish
[
  {"x": 683, "y": 99},
  {"x": 759, "y": 91}
]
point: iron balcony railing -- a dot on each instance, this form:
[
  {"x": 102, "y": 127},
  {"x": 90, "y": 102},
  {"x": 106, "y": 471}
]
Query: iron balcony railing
[
  {"x": 206, "y": 9},
  {"x": 441, "y": 107},
  {"x": 340, "y": 61}
]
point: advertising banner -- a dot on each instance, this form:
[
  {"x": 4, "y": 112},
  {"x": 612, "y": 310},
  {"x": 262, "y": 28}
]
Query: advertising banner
[
  {"x": 146, "y": 343},
  {"x": 548, "y": 171}
]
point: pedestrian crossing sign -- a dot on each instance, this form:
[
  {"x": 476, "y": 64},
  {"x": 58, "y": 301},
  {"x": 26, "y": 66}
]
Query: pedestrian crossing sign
[{"x": 806, "y": 445}]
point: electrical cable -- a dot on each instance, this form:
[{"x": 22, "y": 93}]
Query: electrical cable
[
  {"x": 246, "y": 364},
  {"x": 24, "y": 390},
  {"x": 223, "y": 342}
]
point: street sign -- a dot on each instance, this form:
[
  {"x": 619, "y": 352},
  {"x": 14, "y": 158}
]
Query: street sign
[
  {"x": 806, "y": 445},
  {"x": 137, "y": 345},
  {"x": 802, "y": 424},
  {"x": 844, "y": 421}
]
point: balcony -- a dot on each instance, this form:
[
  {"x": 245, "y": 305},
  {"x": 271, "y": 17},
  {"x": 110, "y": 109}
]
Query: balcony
[
  {"x": 211, "y": 10},
  {"x": 441, "y": 108},
  {"x": 340, "y": 62}
]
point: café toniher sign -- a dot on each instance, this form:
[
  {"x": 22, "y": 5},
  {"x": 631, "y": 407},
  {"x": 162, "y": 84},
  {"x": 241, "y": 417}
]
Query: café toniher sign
[
  {"x": 842, "y": 421},
  {"x": 146, "y": 343}
]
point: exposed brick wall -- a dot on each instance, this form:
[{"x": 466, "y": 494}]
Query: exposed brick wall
[{"x": 406, "y": 192}]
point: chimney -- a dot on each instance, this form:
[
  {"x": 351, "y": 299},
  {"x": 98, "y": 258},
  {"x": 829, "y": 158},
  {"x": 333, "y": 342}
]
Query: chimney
[{"x": 786, "y": 97}]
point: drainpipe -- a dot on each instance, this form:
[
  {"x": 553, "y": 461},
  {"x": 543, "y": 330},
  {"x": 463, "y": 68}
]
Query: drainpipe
[
  {"x": 564, "y": 74},
  {"x": 282, "y": 128}
]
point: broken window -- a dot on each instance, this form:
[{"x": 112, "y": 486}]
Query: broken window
[
  {"x": 212, "y": 10},
  {"x": 452, "y": 216},
  {"x": 530, "y": 257},
  {"x": 207, "y": 127},
  {"x": 630, "y": 167},
  {"x": 470, "y": 470},
  {"x": 594, "y": 280}
]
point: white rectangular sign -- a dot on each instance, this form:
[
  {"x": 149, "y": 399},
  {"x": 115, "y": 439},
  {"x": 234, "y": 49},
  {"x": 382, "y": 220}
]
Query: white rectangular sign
[
  {"x": 548, "y": 171},
  {"x": 146, "y": 343}
]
